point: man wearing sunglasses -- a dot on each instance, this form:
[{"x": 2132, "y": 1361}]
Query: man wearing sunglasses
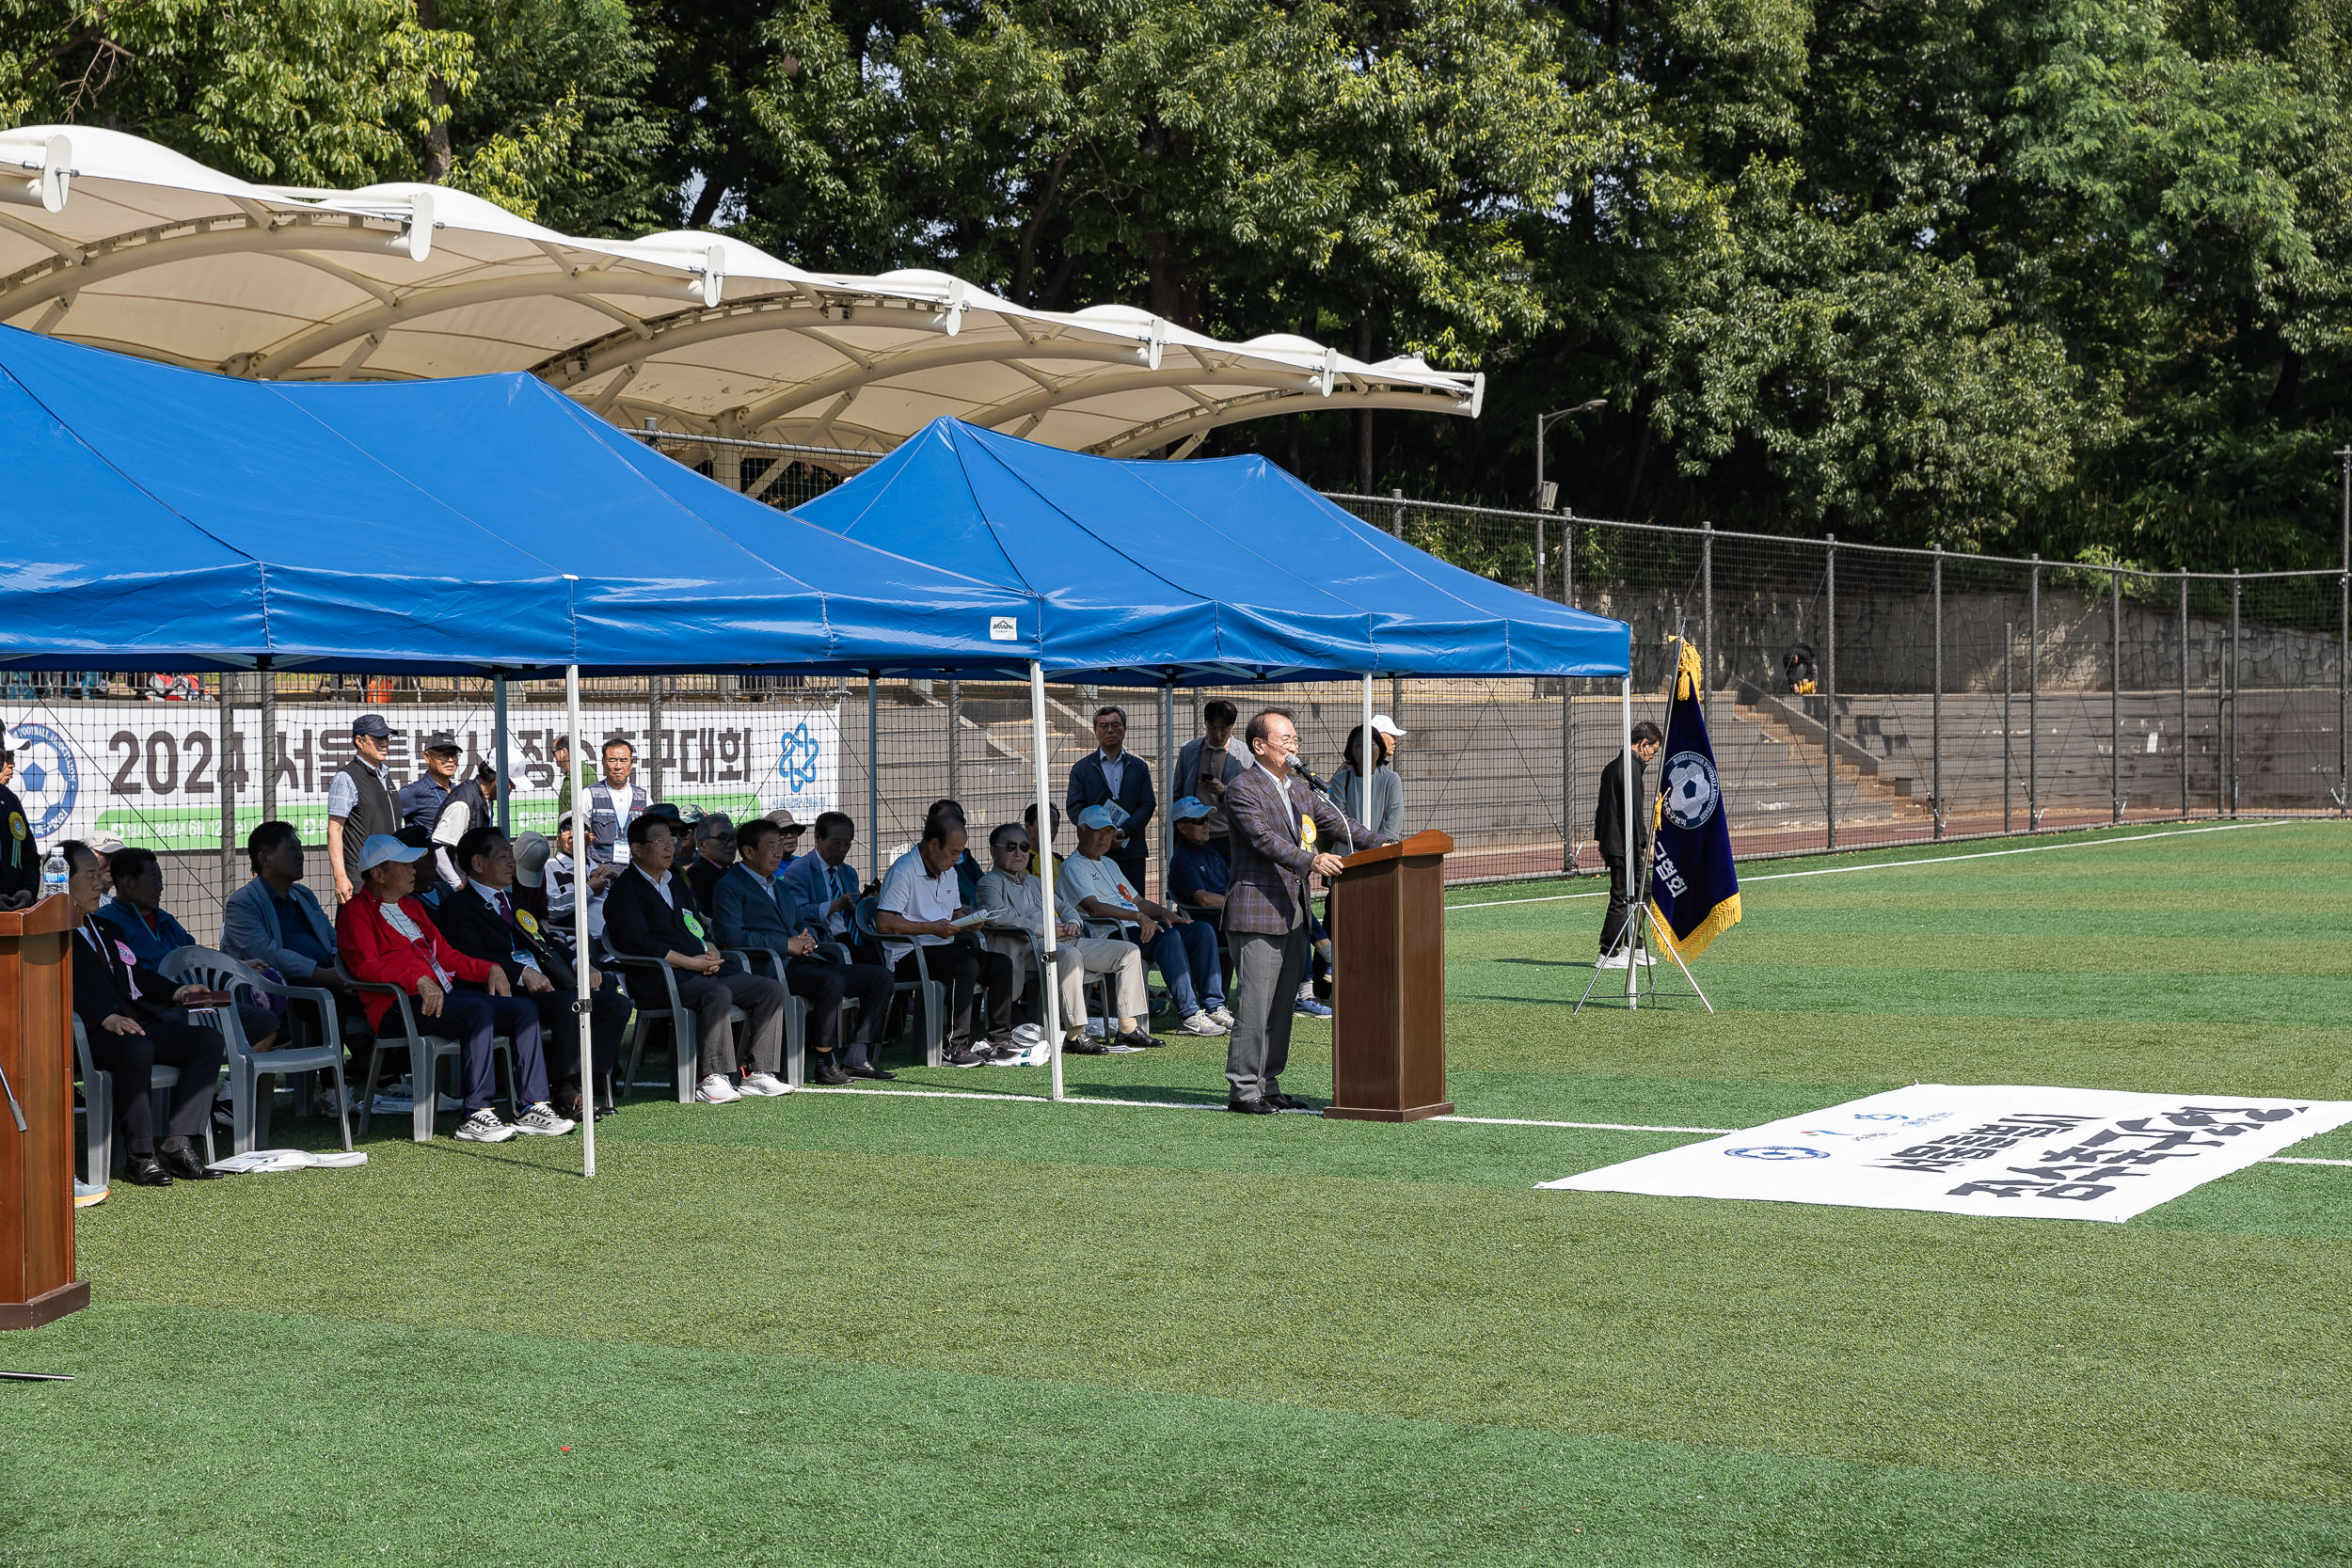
[{"x": 1016, "y": 899}]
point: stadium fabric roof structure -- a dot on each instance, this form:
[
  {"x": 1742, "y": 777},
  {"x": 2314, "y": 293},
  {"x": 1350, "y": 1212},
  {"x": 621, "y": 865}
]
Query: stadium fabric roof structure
[
  {"x": 167, "y": 519},
  {"x": 109, "y": 240},
  {"x": 1202, "y": 573}
]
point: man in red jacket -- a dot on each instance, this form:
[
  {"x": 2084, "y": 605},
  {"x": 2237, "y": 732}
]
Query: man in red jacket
[{"x": 385, "y": 937}]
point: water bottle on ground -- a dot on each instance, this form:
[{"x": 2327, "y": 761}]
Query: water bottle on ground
[{"x": 52, "y": 874}]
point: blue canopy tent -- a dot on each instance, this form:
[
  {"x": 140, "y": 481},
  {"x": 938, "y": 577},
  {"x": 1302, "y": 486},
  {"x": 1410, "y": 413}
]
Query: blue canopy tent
[
  {"x": 1202, "y": 573},
  {"x": 172, "y": 519},
  {"x": 165, "y": 518}
]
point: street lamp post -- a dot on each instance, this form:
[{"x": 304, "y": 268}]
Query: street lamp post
[{"x": 1546, "y": 495}]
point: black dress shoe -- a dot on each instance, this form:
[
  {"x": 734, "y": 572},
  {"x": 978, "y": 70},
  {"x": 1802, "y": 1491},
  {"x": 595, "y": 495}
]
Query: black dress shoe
[
  {"x": 881, "y": 1073},
  {"x": 185, "y": 1167},
  {"x": 1250, "y": 1107},
  {"x": 1140, "y": 1039},
  {"x": 1288, "y": 1102},
  {"x": 829, "y": 1076},
  {"x": 1085, "y": 1048},
  {"x": 142, "y": 1170}
]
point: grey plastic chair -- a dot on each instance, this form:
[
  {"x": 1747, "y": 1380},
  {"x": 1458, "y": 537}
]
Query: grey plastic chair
[
  {"x": 676, "y": 1016},
  {"x": 769, "y": 964},
  {"x": 930, "y": 995},
  {"x": 97, "y": 1103},
  {"x": 425, "y": 1055},
  {"x": 248, "y": 1067}
]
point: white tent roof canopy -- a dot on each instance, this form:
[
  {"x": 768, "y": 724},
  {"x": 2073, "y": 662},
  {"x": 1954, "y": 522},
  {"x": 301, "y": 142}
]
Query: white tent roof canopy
[{"x": 109, "y": 240}]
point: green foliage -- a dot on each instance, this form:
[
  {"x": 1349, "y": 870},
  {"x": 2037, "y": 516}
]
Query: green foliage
[
  {"x": 539, "y": 95},
  {"x": 1995, "y": 274}
]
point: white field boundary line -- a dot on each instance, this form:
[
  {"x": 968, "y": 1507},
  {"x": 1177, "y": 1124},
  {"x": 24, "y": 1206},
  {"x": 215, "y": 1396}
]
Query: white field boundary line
[
  {"x": 1891, "y": 866},
  {"x": 1478, "y": 1122}
]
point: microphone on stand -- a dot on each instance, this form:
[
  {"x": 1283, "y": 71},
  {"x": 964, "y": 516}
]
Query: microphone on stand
[{"x": 1324, "y": 790}]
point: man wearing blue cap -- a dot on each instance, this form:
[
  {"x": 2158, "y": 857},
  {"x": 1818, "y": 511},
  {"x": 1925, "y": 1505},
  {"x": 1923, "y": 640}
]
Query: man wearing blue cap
[
  {"x": 359, "y": 801},
  {"x": 1183, "y": 948}
]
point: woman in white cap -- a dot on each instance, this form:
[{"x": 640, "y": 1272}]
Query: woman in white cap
[{"x": 1385, "y": 813}]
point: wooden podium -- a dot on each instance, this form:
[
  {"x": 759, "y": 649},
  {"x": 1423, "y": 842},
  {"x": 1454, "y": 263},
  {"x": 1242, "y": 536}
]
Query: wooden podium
[
  {"x": 36, "y": 1281},
  {"x": 1388, "y": 1032}
]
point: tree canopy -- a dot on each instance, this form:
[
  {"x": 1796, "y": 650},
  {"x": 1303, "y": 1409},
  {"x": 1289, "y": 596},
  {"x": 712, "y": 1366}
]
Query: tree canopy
[{"x": 2064, "y": 276}]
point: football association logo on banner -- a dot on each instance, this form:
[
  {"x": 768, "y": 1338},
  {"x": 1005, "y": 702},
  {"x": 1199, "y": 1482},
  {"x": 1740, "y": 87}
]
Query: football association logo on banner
[
  {"x": 1691, "y": 791},
  {"x": 797, "y": 751},
  {"x": 46, "y": 779}
]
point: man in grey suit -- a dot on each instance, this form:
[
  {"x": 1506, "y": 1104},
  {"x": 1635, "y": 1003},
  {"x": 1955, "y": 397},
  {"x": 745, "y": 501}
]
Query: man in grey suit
[
  {"x": 273, "y": 922},
  {"x": 1280, "y": 828}
]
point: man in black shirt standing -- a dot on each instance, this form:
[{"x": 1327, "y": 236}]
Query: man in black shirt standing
[{"x": 1609, "y": 827}]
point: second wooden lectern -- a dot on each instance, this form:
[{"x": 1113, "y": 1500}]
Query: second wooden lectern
[
  {"x": 1388, "y": 1035},
  {"x": 37, "y": 1280}
]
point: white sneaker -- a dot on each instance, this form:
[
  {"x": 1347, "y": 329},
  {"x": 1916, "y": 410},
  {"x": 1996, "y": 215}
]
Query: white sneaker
[
  {"x": 87, "y": 1196},
  {"x": 765, "y": 1084},
  {"x": 1645, "y": 958},
  {"x": 540, "y": 1122},
  {"x": 1202, "y": 1024},
  {"x": 1612, "y": 961},
  {"x": 483, "y": 1127},
  {"x": 1222, "y": 1015},
  {"x": 716, "y": 1090}
]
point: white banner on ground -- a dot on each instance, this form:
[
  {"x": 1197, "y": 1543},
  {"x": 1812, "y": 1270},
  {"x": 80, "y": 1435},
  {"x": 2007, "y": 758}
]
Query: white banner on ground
[
  {"x": 2041, "y": 1153},
  {"x": 150, "y": 773}
]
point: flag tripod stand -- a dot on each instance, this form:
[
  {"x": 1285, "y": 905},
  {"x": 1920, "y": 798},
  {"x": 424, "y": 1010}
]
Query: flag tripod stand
[{"x": 1639, "y": 976}]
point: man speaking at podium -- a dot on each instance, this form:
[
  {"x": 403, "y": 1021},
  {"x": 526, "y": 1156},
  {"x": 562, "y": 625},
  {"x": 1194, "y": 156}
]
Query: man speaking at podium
[{"x": 1281, "y": 824}]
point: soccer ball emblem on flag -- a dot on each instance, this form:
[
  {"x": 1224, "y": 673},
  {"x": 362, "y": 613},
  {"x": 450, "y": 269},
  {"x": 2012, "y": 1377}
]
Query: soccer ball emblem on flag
[
  {"x": 1691, "y": 790},
  {"x": 46, "y": 780}
]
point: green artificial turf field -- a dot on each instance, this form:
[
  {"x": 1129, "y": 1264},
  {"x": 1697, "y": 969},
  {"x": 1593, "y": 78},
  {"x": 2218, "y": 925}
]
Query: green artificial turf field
[{"x": 859, "y": 1328}]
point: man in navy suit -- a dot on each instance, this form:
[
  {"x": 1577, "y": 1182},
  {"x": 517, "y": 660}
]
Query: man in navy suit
[
  {"x": 1114, "y": 774},
  {"x": 751, "y": 908}
]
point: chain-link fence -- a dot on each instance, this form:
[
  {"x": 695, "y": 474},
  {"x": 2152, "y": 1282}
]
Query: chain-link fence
[
  {"x": 1862, "y": 695},
  {"x": 1857, "y": 695}
]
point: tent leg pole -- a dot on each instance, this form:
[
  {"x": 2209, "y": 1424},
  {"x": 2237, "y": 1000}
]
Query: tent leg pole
[
  {"x": 1041, "y": 856},
  {"x": 498, "y": 722},
  {"x": 579, "y": 939},
  {"x": 1167, "y": 785},
  {"x": 1624, "y": 690},
  {"x": 873, "y": 780}
]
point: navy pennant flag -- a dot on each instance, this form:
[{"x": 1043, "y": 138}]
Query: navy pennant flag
[{"x": 1693, "y": 890}]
